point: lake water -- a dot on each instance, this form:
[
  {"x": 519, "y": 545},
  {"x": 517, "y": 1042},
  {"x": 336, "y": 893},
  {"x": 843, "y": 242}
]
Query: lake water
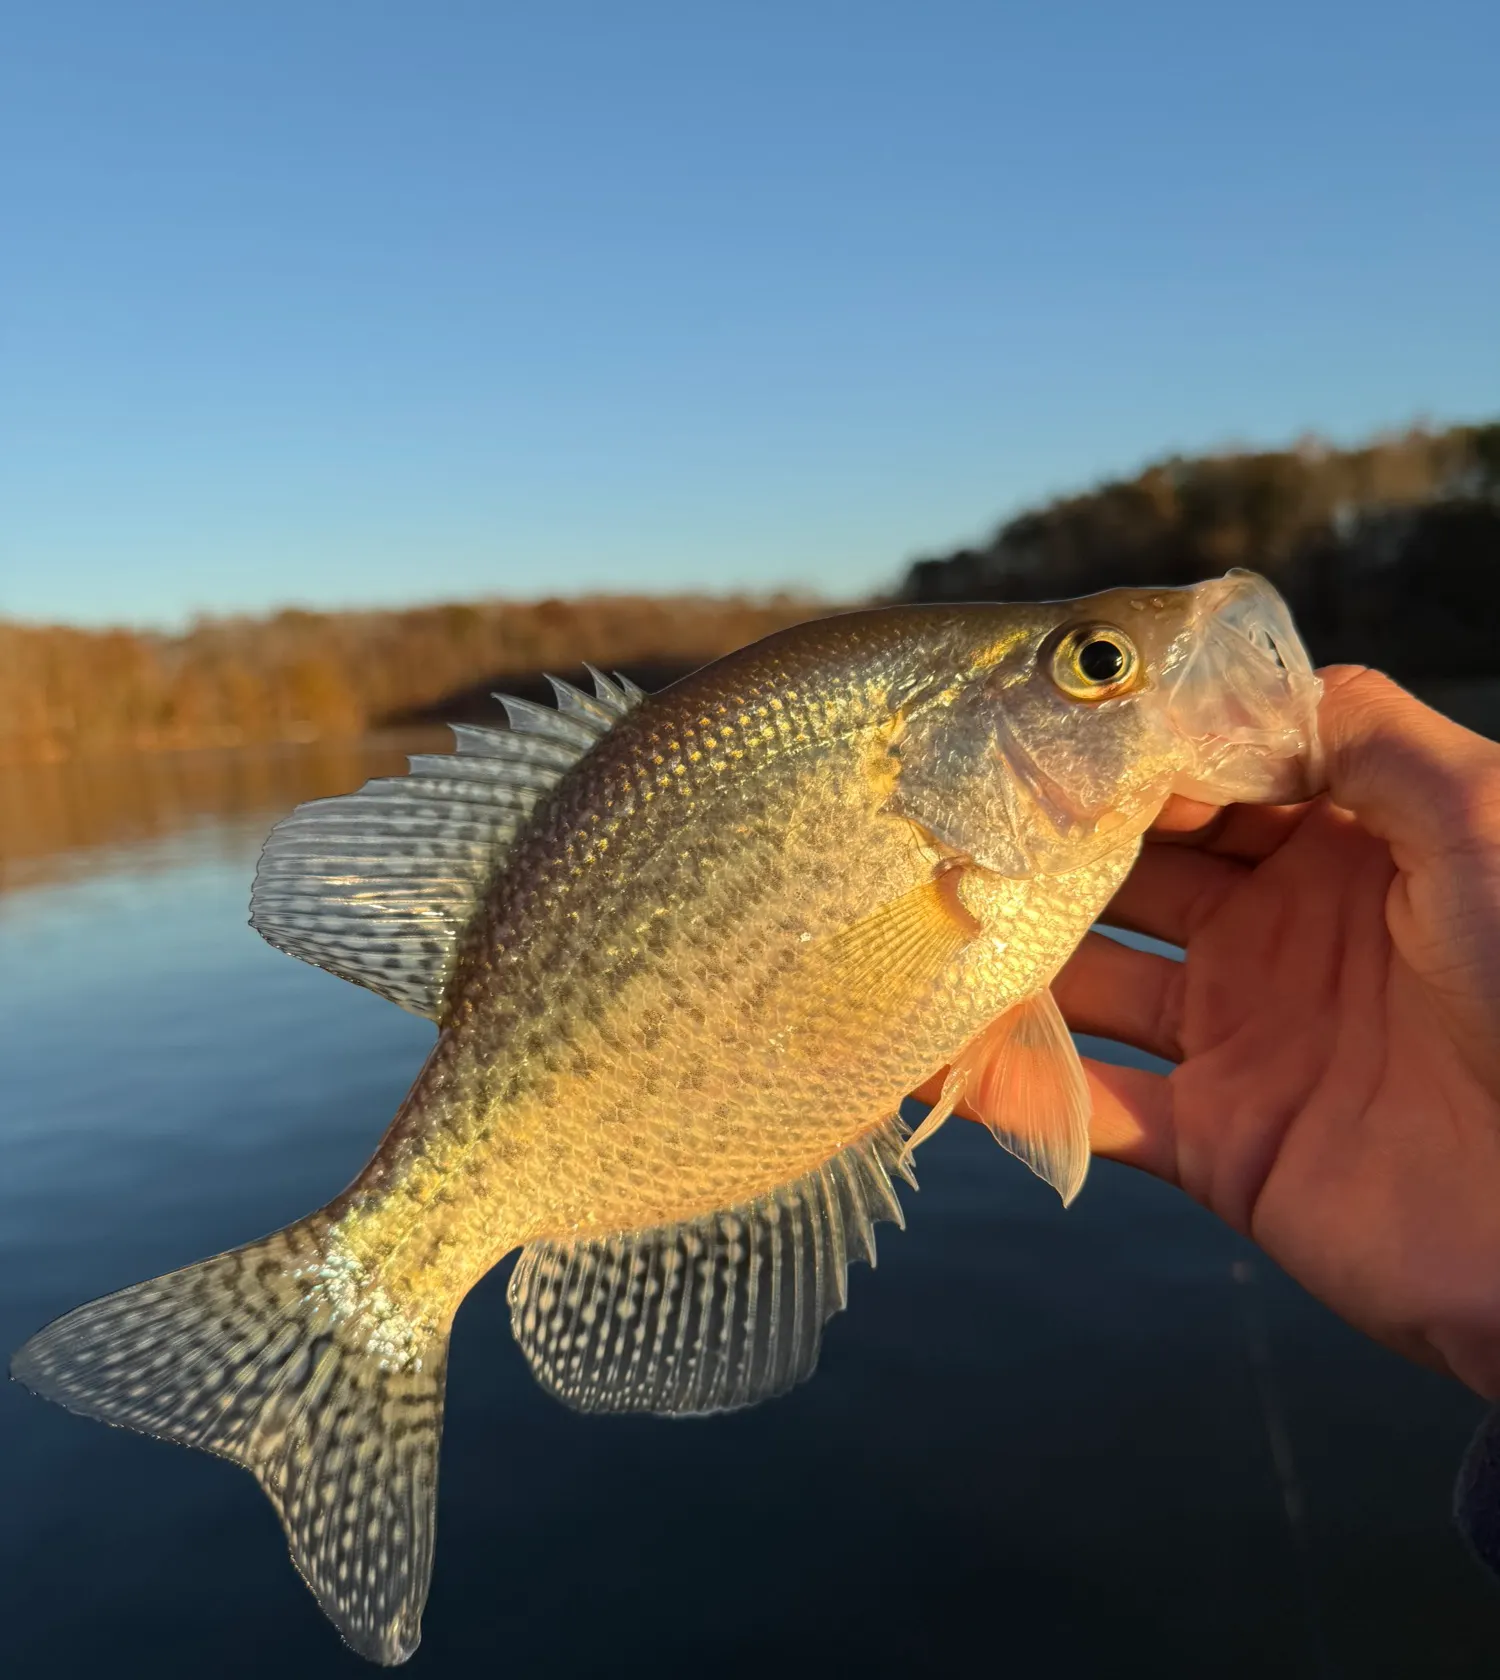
[{"x": 1039, "y": 1443}]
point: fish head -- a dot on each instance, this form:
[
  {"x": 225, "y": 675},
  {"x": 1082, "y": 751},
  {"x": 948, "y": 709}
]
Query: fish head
[{"x": 1076, "y": 720}]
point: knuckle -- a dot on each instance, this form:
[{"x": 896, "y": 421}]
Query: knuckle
[
  {"x": 1475, "y": 803},
  {"x": 1172, "y": 1010}
]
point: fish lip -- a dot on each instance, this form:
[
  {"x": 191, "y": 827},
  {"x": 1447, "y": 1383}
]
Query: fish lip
[{"x": 1242, "y": 693}]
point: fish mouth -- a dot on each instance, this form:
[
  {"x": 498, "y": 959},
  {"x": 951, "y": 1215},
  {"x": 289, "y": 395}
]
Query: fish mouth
[{"x": 1241, "y": 691}]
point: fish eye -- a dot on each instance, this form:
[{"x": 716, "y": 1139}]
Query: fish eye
[{"x": 1094, "y": 661}]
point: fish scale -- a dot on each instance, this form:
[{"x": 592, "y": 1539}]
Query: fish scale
[
  {"x": 686, "y": 954},
  {"x": 589, "y": 1154},
  {"x": 625, "y": 1163}
]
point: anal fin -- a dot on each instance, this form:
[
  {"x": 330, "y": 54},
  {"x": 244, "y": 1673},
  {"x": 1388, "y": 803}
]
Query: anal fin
[{"x": 713, "y": 1313}]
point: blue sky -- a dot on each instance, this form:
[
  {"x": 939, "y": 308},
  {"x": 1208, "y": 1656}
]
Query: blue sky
[{"x": 348, "y": 303}]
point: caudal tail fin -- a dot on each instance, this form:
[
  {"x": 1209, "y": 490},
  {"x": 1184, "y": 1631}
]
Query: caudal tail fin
[{"x": 271, "y": 1356}]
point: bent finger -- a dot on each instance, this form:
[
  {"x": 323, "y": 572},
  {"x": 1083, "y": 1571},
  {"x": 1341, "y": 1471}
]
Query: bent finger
[
  {"x": 1242, "y": 833},
  {"x": 1413, "y": 777},
  {"x": 1132, "y": 1118},
  {"x": 1171, "y": 892},
  {"x": 1114, "y": 991}
]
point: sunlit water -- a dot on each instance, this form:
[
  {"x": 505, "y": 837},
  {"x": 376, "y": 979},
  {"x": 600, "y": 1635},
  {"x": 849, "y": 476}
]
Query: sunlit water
[{"x": 1039, "y": 1443}]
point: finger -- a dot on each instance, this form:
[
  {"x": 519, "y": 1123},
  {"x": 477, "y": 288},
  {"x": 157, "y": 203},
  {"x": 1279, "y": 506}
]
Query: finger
[
  {"x": 1411, "y": 776},
  {"x": 1248, "y": 833},
  {"x": 1133, "y": 997},
  {"x": 1171, "y": 892},
  {"x": 1132, "y": 1118},
  {"x": 930, "y": 1090},
  {"x": 1185, "y": 819}
]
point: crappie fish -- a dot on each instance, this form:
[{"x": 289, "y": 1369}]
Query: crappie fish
[{"x": 687, "y": 953}]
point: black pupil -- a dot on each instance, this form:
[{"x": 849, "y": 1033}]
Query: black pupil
[{"x": 1101, "y": 661}]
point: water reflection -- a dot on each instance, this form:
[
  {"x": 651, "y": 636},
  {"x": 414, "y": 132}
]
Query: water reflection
[
  {"x": 1039, "y": 1439},
  {"x": 59, "y": 819}
]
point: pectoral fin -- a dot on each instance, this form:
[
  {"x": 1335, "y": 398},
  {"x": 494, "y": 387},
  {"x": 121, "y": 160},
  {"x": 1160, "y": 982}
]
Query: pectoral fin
[
  {"x": 1022, "y": 1077},
  {"x": 894, "y": 955}
]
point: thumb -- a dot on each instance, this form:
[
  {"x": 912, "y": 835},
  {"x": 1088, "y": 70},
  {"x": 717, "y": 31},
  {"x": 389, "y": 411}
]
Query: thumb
[{"x": 1419, "y": 781}]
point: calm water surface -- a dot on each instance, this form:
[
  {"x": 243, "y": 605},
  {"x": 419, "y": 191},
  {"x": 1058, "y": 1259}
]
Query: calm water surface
[{"x": 1039, "y": 1443}]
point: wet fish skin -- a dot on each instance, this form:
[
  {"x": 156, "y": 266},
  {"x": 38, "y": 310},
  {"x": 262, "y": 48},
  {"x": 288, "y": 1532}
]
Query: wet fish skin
[
  {"x": 639, "y": 1028},
  {"x": 696, "y": 980}
]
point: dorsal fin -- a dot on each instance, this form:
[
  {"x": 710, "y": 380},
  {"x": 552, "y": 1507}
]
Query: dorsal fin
[{"x": 377, "y": 885}]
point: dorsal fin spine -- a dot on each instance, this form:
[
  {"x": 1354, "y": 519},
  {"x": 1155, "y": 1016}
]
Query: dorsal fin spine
[
  {"x": 574, "y": 703},
  {"x": 377, "y": 885},
  {"x": 527, "y": 717},
  {"x": 610, "y": 694}
]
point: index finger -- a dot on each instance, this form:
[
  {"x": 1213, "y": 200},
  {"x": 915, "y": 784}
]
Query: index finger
[
  {"x": 1245, "y": 833},
  {"x": 1413, "y": 777}
]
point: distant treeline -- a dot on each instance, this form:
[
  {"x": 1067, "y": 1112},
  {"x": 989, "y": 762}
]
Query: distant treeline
[
  {"x": 302, "y": 676},
  {"x": 1389, "y": 554}
]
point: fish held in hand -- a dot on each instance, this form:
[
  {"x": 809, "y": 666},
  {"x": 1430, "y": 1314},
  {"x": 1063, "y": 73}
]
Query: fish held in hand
[{"x": 686, "y": 953}]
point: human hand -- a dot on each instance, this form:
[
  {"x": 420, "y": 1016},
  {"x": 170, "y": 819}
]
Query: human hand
[{"x": 1336, "y": 1025}]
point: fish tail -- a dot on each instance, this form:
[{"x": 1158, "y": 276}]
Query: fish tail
[{"x": 281, "y": 1357}]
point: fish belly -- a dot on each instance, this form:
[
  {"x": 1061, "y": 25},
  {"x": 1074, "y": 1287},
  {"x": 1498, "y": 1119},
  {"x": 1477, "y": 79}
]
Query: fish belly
[
  {"x": 684, "y": 1101},
  {"x": 648, "y": 1029}
]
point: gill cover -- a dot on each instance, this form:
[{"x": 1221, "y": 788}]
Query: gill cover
[{"x": 1066, "y": 741}]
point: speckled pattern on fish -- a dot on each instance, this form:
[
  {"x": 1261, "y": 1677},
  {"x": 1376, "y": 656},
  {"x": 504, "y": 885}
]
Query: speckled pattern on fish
[{"x": 686, "y": 953}]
